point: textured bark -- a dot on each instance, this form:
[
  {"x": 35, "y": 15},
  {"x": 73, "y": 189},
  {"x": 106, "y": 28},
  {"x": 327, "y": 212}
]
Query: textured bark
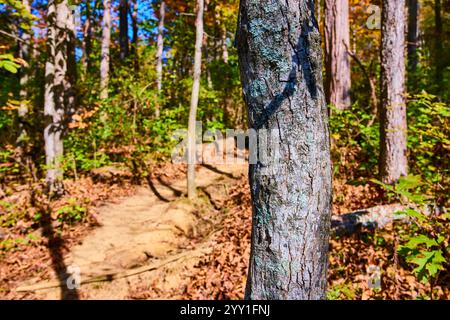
[
  {"x": 105, "y": 55},
  {"x": 24, "y": 53},
  {"x": 413, "y": 34},
  {"x": 59, "y": 90},
  {"x": 337, "y": 59},
  {"x": 191, "y": 148},
  {"x": 160, "y": 51},
  {"x": 393, "y": 130},
  {"x": 123, "y": 29},
  {"x": 281, "y": 69}
]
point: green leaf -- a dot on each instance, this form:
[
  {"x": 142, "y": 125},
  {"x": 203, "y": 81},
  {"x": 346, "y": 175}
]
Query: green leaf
[
  {"x": 414, "y": 242},
  {"x": 414, "y": 214},
  {"x": 409, "y": 182}
]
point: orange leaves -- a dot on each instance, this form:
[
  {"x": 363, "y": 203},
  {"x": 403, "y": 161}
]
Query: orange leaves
[{"x": 80, "y": 120}]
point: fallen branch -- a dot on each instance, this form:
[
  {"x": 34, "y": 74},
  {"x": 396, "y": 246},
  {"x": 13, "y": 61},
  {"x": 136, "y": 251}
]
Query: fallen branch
[
  {"x": 110, "y": 276},
  {"x": 372, "y": 218}
]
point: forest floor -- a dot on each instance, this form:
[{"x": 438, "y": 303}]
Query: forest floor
[{"x": 148, "y": 241}]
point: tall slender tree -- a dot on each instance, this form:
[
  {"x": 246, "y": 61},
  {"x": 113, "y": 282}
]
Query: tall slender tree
[
  {"x": 280, "y": 58},
  {"x": 337, "y": 58},
  {"x": 105, "y": 55},
  {"x": 123, "y": 29},
  {"x": 393, "y": 155},
  {"x": 413, "y": 34},
  {"x": 160, "y": 52},
  {"x": 439, "y": 60},
  {"x": 192, "y": 143},
  {"x": 59, "y": 88},
  {"x": 25, "y": 54},
  {"x": 87, "y": 37}
]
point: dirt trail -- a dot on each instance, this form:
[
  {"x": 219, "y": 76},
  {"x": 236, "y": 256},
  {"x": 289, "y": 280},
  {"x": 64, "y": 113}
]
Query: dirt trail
[{"x": 152, "y": 225}]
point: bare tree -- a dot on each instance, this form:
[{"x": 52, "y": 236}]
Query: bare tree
[
  {"x": 160, "y": 52},
  {"x": 59, "y": 88},
  {"x": 393, "y": 129},
  {"x": 123, "y": 29},
  {"x": 337, "y": 59},
  {"x": 280, "y": 57},
  {"x": 413, "y": 34},
  {"x": 24, "y": 53},
  {"x": 191, "y": 147},
  {"x": 105, "y": 55}
]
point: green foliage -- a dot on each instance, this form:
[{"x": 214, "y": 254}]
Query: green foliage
[
  {"x": 426, "y": 243},
  {"x": 354, "y": 131},
  {"x": 71, "y": 213},
  {"x": 9, "y": 63}
]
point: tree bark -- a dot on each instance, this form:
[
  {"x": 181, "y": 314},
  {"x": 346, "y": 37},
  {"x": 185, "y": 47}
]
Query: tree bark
[
  {"x": 24, "y": 53},
  {"x": 439, "y": 65},
  {"x": 413, "y": 34},
  {"x": 280, "y": 58},
  {"x": 134, "y": 24},
  {"x": 159, "y": 53},
  {"x": 105, "y": 55},
  {"x": 192, "y": 147},
  {"x": 393, "y": 129},
  {"x": 87, "y": 35},
  {"x": 337, "y": 59},
  {"x": 59, "y": 88},
  {"x": 123, "y": 29}
]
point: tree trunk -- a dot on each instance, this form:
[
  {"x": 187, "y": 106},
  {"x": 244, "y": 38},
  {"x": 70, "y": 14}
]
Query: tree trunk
[
  {"x": 134, "y": 23},
  {"x": 192, "y": 148},
  {"x": 24, "y": 53},
  {"x": 87, "y": 35},
  {"x": 413, "y": 34},
  {"x": 280, "y": 57},
  {"x": 439, "y": 65},
  {"x": 225, "y": 55},
  {"x": 337, "y": 59},
  {"x": 123, "y": 29},
  {"x": 105, "y": 56},
  {"x": 159, "y": 53},
  {"x": 59, "y": 90},
  {"x": 393, "y": 129}
]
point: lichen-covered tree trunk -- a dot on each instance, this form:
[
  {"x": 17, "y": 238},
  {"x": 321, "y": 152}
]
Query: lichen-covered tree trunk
[
  {"x": 105, "y": 55},
  {"x": 191, "y": 144},
  {"x": 337, "y": 59},
  {"x": 393, "y": 149},
  {"x": 160, "y": 51},
  {"x": 280, "y": 58},
  {"x": 59, "y": 88},
  {"x": 123, "y": 29}
]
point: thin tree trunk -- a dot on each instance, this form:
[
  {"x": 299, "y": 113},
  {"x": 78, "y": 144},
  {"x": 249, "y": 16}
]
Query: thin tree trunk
[
  {"x": 105, "y": 55},
  {"x": 87, "y": 35},
  {"x": 225, "y": 54},
  {"x": 413, "y": 34},
  {"x": 59, "y": 91},
  {"x": 134, "y": 23},
  {"x": 159, "y": 53},
  {"x": 393, "y": 129},
  {"x": 438, "y": 44},
  {"x": 192, "y": 148},
  {"x": 280, "y": 57},
  {"x": 24, "y": 48},
  {"x": 123, "y": 29},
  {"x": 337, "y": 59}
]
